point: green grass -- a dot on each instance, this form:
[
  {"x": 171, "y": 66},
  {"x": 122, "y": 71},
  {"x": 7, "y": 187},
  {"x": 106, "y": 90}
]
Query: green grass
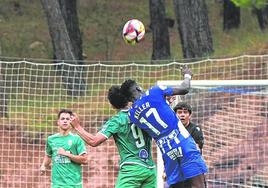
[
  {"x": 31, "y": 110},
  {"x": 247, "y": 39}
]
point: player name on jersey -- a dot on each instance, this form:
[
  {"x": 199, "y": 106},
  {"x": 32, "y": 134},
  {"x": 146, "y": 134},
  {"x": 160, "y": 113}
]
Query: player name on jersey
[{"x": 140, "y": 109}]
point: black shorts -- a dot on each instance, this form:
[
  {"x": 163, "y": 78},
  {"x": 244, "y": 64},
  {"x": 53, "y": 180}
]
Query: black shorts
[{"x": 194, "y": 182}]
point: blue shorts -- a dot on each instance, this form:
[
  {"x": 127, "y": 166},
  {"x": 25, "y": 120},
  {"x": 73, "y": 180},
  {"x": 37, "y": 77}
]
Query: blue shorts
[{"x": 182, "y": 160}]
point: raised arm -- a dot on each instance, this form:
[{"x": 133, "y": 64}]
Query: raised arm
[
  {"x": 90, "y": 139},
  {"x": 186, "y": 84}
]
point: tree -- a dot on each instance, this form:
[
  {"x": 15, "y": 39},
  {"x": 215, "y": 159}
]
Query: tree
[
  {"x": 159, "y": 28},
  {"x": 66, "y": 41},
  {"x": 249, "y": 3},
  {"x": 193, "y": 27},
  {"x": 231, "y": 15},
  {"x": 262, "y": 16},
  {"x": 69, "y": 13},
  {"x": 260, "y": 8}
]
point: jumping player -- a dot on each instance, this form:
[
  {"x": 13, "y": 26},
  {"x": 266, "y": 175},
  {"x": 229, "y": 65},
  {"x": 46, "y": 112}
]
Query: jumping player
[
  {"x": 137, "y": 168},
  {"x": 151, "y": 112}
]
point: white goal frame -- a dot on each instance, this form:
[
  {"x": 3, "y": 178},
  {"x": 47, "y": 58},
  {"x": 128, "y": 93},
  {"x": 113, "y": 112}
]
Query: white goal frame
[{"x": 201, "y": 84}]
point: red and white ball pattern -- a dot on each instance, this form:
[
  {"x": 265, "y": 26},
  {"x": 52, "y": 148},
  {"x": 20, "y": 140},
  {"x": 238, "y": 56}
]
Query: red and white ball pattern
[{"x": 133, "y": 31}]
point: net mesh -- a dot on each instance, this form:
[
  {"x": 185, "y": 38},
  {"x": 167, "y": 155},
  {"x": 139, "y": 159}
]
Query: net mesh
[
  {"x": 234, "y": 123},
  {"x": 234, "y": 120}
]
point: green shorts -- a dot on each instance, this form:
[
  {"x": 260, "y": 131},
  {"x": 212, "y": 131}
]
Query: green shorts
[{"x": 136, "y": 176}]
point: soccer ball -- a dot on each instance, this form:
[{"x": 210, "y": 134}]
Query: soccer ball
[{"x": 133, "y": 31}]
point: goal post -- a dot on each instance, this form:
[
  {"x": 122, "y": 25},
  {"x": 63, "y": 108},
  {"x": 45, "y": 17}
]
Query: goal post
[
  {"x": 232, "y": 113},
  {"x": 216, "y": 83}
]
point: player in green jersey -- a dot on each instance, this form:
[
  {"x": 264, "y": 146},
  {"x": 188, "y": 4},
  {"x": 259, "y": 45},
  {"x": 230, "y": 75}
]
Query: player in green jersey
[
  {"x": 67, "y": 152},
  {"x": 137, "y": 169}
]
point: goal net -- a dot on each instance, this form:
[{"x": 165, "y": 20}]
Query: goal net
[
  {"x": 233, "y": 117},
  {"x": 232, "y": 112}
]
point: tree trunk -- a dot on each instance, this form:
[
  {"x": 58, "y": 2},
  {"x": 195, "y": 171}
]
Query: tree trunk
[
  {"x": 159, "y": 27},
  {"x": 3, "y": 95},
  {"x": 193, "y": 27},
  {"x": 67, "y": 44},
  {"x": 69, "y": 13},
  {"x": 231, "y": 15},
  {"x": 262, "y": 16}
]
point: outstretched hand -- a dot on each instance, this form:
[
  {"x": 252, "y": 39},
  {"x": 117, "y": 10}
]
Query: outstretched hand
[
  {"x": 171, "y": 99},
  {"x": 185, "y": 70},
  {"x": 75, "y": 121}
]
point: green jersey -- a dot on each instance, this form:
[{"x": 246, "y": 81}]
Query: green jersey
[
  {"x": 133, "y": 144},
  {"x": 64, "y": 171}
]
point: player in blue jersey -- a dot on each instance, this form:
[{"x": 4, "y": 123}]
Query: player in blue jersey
[{"x": 151, "y": 112}]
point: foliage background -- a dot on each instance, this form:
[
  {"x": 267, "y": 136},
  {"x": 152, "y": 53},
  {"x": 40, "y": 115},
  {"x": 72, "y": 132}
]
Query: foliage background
[{"x": 24, "y": 31}]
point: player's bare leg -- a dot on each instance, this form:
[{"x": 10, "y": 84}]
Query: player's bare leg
[
  {"x": 194, "y": 182},
  {"x": 198, "y": 181}
]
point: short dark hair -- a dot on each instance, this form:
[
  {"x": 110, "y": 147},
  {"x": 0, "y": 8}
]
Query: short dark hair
[
  {"x": 125, "y": 89},
  {"x": 65, "y": 111},
  {"x": 116, "y": 98},
  {"x": 183, "y": 105}
]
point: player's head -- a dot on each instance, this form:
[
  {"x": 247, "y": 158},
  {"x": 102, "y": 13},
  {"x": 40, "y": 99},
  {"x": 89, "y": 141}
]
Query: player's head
[
  {"x": 66, "y": 111},
  {"x": 183, "y": 106},
  {"x": 116, "y": 98},
  {"x": 64, "y": 119},
  {"x": 131, "y": 90},
  {"x": 183, "y": 110}
]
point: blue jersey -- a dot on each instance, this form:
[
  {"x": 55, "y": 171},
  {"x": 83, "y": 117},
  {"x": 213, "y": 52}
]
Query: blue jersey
[{"x": 153, "y": 114}]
